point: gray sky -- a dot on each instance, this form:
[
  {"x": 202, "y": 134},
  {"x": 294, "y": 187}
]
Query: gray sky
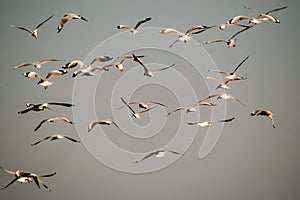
[{"x": 251, "y": 159}]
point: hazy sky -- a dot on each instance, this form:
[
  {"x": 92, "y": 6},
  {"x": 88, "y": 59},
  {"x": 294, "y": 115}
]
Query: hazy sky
[{"x": 251, "y": 160}]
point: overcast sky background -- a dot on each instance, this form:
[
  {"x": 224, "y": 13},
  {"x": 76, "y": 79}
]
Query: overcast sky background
[{"x": 250, "y": 161}]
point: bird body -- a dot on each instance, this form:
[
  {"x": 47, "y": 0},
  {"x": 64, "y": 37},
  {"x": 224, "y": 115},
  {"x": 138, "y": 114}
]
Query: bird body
[{"x": 33, "y": 33}]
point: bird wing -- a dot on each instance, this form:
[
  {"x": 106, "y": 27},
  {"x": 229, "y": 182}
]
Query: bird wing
[
  {"x": 208, "y": 97},
  {"x": 171, "y": 30},
  {"x": 61, "y": 104},
  {"x": 162, "y": 69},
  {"x": 38, "y": 26},
  {"x": 175, "y": 110},
  {"x": 71, "y": 139},
  {"x": 7, "y": 171},
  {"x": 219, "y": 71},
  {"x": 146, "y": 110},
  {"x": 137, "y": 59},
  {"x": 145, "y": 157},
  {"x": 23, "y": 28},
  {"x": 123, "y": 27},
  {"x": 213, "y": 79},
  {"x": 238, "y": 100},
  {"x": 22, "y": 65},
  {"x": 141, "y": 22},
  {"x": 274, "y": 10},
  {"x": 128, "y": 105},
  {"x": 224, "y": 120},
  {"x": 171, "y": 45},
  {"x": 192, "y": 123},
  {"x": 65, "y": 119},
  {"x": 239, "y": 65},
  {"x": 169, "y": 151},
  {"x": 240, "y": 32},
  {"x": 214, "y": 41},
  {"x": 201, "y": 28},
  {"x": 48, "y": 175},
  {"x": 155, "y": 102},
  {"x": 101, "y": 59},
  {"x": 46, "y": 138},
  {"x": 26, "y": 110},
  {"x": 253, "y": 10},
  {"x": 54, "y": 73},
  {"x": 14, "y": 180},
  {"x": 273, "y": 121},
  {"x": 40, "y": 124},
  {"x": 49, "y": 60}
]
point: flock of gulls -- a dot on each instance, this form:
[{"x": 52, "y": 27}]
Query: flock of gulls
[{"x": 135, "y": 107}]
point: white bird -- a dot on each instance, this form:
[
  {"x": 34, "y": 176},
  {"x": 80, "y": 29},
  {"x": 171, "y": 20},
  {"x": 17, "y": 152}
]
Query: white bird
[
  {"x": 53, "y": 119},
  {"x": 134, "y": 113},
  {"x": 264, "y": 17},
  {"x": 184, "y": 37},
  {"x": 266, "y": 113},
  {"x": 42, "y": 106},
  {"x": 68, "y": 17},
  {"x": 45, "y": 81},
  {"x": 231, "y": 42},
  {"x": 118, "y": 65},
  {"x": 147, "y": 72},
  {"x": 101, "y": 122},
  {"x": 234, "y": 21},
  {"x": 209, "y": 123},
  {"x": 37, "y": 64},
  {"x": 232, "y": 75},
  {"x": 192, "y": 108},
  {"x": 157, "y": 154},
  {"x": 73, "y": 63},
  {"x": 33, "y": 33},
  {"x": 134, "y": 30},
  {"x": 55, "y": 137},
  {"x": 27, "y": 177},
  {"x": 222, "y": 96},
  {"x": 31, "y": 75}
]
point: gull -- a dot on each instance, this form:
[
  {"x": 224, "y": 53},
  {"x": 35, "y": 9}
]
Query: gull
[
  {"x": 144, "y": 104},
  {"x": 232, "y": 75},
  {"x": 264, "y": 17},
  {"x": 209, "y": 123},
  {"x": 222, "y": 96},
  {"x": 101, "y": 122},
  {"x": 134, "y": 30},
  {"x": 42, "y": 106},
  {"x": 147, "y": 72},
  {"x": 55, "y": 137},
  {"x": 73, "y": 63},
  {"x": 134, "y": 113},
  {"x": 25, "y": 176},
  {"x": 101, "y": 59},
  {"x": 33, "y": 33},
  {"x": 37, "y": 64},
  {"x": 231, "y": 42},
  {"x": 192, "y": 108},
  {"x": 157, "y": 154},
  {"x": 45, "y": 81},
  {"x": 88, "y": 71},
  {"x": 184, "y": 37},
  {"x": 68, "y": 17},
  {"x": 130, "y": 56},
  {"x": 225, "y": 84},
  {"x": 266, "y": 113},
  {"x": 31, "y": 75},
  {"x": 53, "y": 119}
]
